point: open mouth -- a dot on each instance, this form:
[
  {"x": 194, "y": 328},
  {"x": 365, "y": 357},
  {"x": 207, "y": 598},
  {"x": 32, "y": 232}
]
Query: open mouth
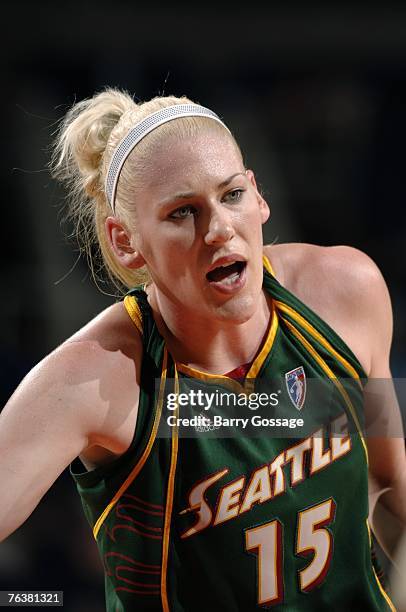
[{"x": 228, "y": 274}]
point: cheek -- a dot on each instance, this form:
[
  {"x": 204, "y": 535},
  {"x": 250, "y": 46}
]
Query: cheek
[
  {"x": 251, "y": 222},
  {"x": 167, "y": 250},
  {"x": 168, "y": 255},
  {"x": 171, "y": 241}
]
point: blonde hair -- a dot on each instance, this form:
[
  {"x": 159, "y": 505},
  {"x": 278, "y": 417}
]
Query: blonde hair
[{"x": 85, "y": 142}]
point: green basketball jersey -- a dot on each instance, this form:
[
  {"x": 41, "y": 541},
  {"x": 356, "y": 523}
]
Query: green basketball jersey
[{"x": 209, "y": 514}]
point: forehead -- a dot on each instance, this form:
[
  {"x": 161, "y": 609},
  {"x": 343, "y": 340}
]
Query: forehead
[{"x": 186, "y": 164}]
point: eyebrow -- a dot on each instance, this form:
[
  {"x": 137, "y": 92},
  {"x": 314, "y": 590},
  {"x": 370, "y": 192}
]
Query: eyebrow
[{"x": 191, "y": 194}]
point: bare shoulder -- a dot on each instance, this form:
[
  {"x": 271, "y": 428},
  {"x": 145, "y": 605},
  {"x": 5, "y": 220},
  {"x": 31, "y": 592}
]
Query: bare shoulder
[
  {"x": 90, "y": 383},
  {"x": 344, "y": 286},
  {"x": 294, "y": 262},
  {"x": 106, "y": 342}
]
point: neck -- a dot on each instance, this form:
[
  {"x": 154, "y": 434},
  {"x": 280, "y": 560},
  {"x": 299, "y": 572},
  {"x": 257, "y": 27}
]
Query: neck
[{"x": 211, "y": 345}]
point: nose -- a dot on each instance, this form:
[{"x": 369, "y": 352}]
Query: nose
[{"x": 220, "y": 228}]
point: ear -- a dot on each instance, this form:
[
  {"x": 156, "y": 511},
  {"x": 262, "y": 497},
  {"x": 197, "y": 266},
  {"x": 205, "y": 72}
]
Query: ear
[
  {"x": 262, "y": 203},
  {"x": 121, "y": 244}
]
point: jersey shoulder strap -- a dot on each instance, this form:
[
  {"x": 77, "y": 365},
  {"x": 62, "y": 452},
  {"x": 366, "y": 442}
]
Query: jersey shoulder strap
[{"x": 288, "y": 306}]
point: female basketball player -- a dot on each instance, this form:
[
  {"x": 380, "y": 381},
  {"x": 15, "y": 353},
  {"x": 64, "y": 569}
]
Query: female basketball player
[{"x": 205, "y": 521}]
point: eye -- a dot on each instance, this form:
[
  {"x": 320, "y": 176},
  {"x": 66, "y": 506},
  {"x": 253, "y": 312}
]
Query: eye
[
  {"x": 234, "y": 196},
  {"x": 183, "y": 212}
]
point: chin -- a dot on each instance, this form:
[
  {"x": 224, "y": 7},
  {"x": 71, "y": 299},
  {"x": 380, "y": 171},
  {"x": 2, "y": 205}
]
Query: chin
[{"x": 237, "y": 310}]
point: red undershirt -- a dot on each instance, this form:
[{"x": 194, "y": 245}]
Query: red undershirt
[{"x": 239, "y": 372}]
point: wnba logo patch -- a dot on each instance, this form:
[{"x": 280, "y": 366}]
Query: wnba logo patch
[{"x": 296, "y": 386}]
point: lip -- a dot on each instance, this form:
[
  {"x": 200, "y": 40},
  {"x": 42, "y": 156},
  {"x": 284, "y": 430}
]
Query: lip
[
  {"x": 226, "y": 261},
  {"x": 225, "y": 287}
]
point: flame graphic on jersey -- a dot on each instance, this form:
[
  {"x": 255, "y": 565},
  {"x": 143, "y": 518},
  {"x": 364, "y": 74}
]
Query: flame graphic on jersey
[
  {"x": 129, "y": 572},
  {"x": 130, "y": 505}
]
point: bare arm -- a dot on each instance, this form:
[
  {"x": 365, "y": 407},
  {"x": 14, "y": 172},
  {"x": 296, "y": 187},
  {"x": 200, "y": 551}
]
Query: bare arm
[
  {"x": 345, "y": 287},
  {"x": 83, "y": 396},
  {"x": 385, "y": 435},
  {"x": 362, "y": 314}
]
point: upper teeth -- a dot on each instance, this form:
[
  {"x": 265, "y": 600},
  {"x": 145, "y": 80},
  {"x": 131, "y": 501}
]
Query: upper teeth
[{"x": 227, "y": 264}]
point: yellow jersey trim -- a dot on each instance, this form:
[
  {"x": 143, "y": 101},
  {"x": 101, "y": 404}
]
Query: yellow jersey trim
[
  {"x": 384, "y": 593},
  {"x": 140, "y": 464},
  {"x": 229, "y": 383},
  {"x": 267, "y": 346},
  {"x": 321, "y": 339},
  {"x": 134, "y": 311},
  {"x": 169, "y": 504},
  {"x": 332, "y": 376},
  {"x": 267, "y": 265}
]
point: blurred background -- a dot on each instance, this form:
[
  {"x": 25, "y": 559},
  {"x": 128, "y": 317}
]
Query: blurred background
[{"x": 314, "y": 92}]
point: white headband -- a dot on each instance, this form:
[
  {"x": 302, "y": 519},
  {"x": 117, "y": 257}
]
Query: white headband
[{"x": 143, "y": 128}]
